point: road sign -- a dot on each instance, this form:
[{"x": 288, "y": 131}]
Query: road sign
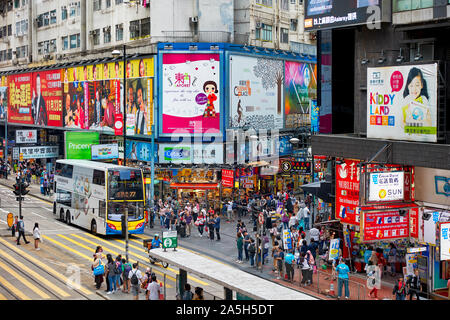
[{"x": 170, "y": 239}]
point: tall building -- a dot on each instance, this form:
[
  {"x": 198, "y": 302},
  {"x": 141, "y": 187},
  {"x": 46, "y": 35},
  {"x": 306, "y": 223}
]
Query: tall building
[{"x": 35, "y": 33}]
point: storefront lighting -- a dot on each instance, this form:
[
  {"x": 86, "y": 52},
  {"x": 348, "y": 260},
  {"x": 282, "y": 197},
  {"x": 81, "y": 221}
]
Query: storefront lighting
[
  {"x": 382, "y": 58},
  {"x": 193, "y": 48},
  {"x": 400, "y": 57}
]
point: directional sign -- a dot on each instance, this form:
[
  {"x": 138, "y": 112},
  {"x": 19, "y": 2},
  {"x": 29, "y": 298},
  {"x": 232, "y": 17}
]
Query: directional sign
[{"x": 170, "y": 239}]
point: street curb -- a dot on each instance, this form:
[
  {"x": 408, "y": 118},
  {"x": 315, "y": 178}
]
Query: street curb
[{"x": 102, "y": 295}]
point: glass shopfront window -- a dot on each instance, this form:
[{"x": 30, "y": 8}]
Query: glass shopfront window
[{"x": 407, "y": 5}]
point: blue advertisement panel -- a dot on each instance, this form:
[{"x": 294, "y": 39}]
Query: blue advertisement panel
[
  {"x": 315, "y": 117},
  {"x": 286, "y": 148},
  {"x": 140, "y": 151}
]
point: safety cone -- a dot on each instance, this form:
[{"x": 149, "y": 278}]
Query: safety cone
[
  {"x": 331, "y": 288},
  {"x": 161, "y": 295}
]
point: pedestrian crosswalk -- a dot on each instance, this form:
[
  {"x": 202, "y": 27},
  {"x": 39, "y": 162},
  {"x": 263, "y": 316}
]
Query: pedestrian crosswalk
[{"x": 26, "y": 275}]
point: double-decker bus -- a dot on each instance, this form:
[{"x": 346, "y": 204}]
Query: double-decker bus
[{"x": 95, "y": 195}]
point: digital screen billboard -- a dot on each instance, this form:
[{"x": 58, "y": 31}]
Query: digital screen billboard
[{"x": 324, "y": 14}]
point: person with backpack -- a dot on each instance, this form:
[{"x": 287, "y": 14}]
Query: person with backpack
[
  {"x": 126, "y": 268},
  {"x": 21, "y": 230},
  {"x": 399, "y": 290},
  {"x": 112, "y": 274},
  {"x": 135, "y": 277}
]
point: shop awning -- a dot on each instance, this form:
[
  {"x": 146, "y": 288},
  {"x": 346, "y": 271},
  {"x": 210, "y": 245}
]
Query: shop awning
[
  {"x": 320, "y": 189},
  {"x": 201, "y": 186}
]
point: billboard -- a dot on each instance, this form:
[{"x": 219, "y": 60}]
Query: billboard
[
  {"x": 347, "y": 191},
  {"x": 386, "y": 186},
  {"x": 256, "y": 92},
  {"x": 190, "y": 93},
  {"x": 26, "y": 136},
  {"x": 78, "y": 144},
  {"x": 46, "y": 103},
  {"x": 104, "y": 151},
  {"x": 39, "y": 152},
  {"x": 140, "y": 151},
  {"x": 402, "y": 103},
  {"x": 384, "y": 225},
  {"x": 227, "y": 178},
  {"x": 300, "y": 87},
  {"x": 19, "y": 99},
  {"x": 322, "y": 14},
  {"x": 3, "y": 102},
  {"x": 191, "y": 153},
  {"x": 139, "y": 106}
]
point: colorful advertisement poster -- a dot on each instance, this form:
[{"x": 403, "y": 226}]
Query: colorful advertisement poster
[
  {"x": 300, "y": 87},
  {"x": 227, "y": 178},
  {"x": 139, "y": 106},
  {"x": 104, "y": 104},
  {"x": 19, "y": 99},
  {"x": 104, "y": 151},
  {"x": 445, "y": 241},
  {"x": 347, "y": 192},
  {"x": 315, "y": 116},
  {"x": 3, "y": 102},
  {"x": 256, "y": 92},
  {"x": 384, "y": 225},
  {"x": 386, "y": 186},
  {"x": 140, "y": 151},
  {"x": 190, "y": 93},
  {"x": 78, "y": 144},
  {"x": 402, "y": 103},
  {"x": 191, "y": 153},
  {"x": 46, "y": 102},
  {"x": 74, "y": 101},
  {"x": 334, "y": 249}
]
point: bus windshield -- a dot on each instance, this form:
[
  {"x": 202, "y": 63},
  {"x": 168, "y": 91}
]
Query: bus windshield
[
  {"x": 125, "y": 184},
  {"x": 117, "y": 209}
]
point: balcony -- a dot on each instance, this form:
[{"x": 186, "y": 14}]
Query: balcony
[{"x": 190, "y": 36}]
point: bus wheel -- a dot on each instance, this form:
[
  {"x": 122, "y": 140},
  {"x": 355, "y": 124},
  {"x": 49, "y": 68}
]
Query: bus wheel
[
  {"x": 68, "y": 217},
  {"x": 93, "y": 227},
  {"x": 61, "y": 215}
]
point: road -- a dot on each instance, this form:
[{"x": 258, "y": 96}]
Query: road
[{"x": 62, "y": 268}]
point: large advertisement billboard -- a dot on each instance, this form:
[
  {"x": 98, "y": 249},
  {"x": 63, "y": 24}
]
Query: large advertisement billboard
[
  {"x": 402, "y": 103},
  {"x": 300, "y": 87},
  {"x": 19, "y": 99},
  {"x": 321, "y": 14},
  {"x": 347, "y": 191},
  {"x": 78, "y": 144},
  {"x": 385, "y": 225},
  {"x": 190, "y": 93},
  {"x": 256, "y": 92},
  {"x": 3, "y": 102}
]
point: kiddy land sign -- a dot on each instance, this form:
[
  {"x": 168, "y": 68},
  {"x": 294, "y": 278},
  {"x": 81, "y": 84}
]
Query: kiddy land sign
[{"x": 402, "y": 102}]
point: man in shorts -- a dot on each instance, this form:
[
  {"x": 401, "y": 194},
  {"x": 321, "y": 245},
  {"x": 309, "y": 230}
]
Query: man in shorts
[{"x": 135, "y": 277}]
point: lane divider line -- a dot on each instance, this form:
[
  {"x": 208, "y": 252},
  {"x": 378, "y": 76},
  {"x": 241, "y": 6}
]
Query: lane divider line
[{"x": 14, "y": 289}]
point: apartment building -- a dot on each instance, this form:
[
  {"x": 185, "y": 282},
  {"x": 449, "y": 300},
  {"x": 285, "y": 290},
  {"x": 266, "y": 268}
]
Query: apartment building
[{"x": 40, "y": 32}]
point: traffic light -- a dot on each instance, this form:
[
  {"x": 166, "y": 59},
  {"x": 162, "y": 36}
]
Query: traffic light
[{"x": 20, "y": 189}]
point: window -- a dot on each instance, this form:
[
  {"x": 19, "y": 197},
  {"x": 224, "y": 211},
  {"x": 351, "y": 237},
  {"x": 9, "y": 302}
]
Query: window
[
  {"x": 145, "y": 27},
  {"x": 107, "y": 35},
  {"x": 63, "y": 13},
  {"x": 284, "y": 35},
  {"x": 294, "y": 23},
  {"x": 293, "y": 1},
  {"x": 119, "y": 1},
  {"x": 108, "y": 3},
  {"x": 284, "y": 5},
  {"x": 64, "y": 197},
  {"x": 139, "y": 28},
  {"x": 102, "y": 209},
  {"x": 265, "y": 33},
  {"x": 74, "y": 9},
  {"x": 16, "y": 4},
  {"x": 64, "y": 170},
  {"x": 406, "y": 5},
  {"x": 96, "y": 37},
  {"x": 119, "y": 32},
  {"x": 134, "y": 29},
  {"x": 46, "y": 18},
  {"x": 22, "y": 27},
  {"x": 98, "y": 177},
  {"x": 75, "y": 41},
  {"x": 53, "y": 17},
  {"x": 9, "y": 29},
  {"x": 9, "y": 55},
  {"x": 65, "y": 42},
  {"x": 97, "y": 5}
]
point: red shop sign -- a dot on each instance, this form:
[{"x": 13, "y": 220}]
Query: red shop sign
[
  {"x": 384, "y": 225},
  {"x": 347, "y": 191},
  {"x": 227, "y": 178}
]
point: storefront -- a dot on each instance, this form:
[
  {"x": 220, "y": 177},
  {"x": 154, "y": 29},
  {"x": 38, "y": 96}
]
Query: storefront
[{"x": 432, "y": 194}]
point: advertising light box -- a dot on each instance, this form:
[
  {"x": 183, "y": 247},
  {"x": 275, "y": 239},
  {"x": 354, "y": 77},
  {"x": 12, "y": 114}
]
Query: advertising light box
[
  {"x": 104, "y": 151},
  {"x": 402, "y": 103},
  {"x": 445, "y": 241},
  {"x": 386, "y": 186}
]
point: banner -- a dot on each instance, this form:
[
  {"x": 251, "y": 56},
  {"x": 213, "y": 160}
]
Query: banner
[
  {"x": 104, "y": 151},
  {"x": 26, "y": 136},
  {"x": 139, "y": 106},
  {"x": 191, "y": 153},
  {"x": 39, "y": 152},
  {"x": 3, "y": 102},
  {"x": 386, "y": 186},
  {"x": 19, "y": 99},
  {"x": 334, "y": 249},
  {"x": 315, "y": 116},
  {"x": 256, "y": 92},
  {"x": 191, "y": 96},
  {"x": 445, "y": 241},
  {"x": 402, "y": 103},
  {"x": 46, "y": 102},
  {"x": 347, "y": 191},
  {"x": 300, "y": 87},
  {"x": 78, "y": 144},
  {"x": 384, "y": 225},
  {"x": 227, "y": 178},
  {"x": 140, "y": 151}
]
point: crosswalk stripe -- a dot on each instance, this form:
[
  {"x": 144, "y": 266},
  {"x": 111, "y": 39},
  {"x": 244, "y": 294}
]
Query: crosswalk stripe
[
  {"x": 67, "y": 248},
  {"x": 42, "y": 265},
  {"x": 13, "y": 288},
  {"x": 24, "y": 281},
  {"x": 2, "y": 297},
  {"x": 35, "y": 275}
]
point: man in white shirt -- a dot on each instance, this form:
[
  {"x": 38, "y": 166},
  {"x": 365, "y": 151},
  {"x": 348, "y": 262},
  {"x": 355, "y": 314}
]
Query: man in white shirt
[
  {"x": 306, "y": 215},
  {"x": 135, "y": 286},
  {"x": 314, "y": 234},
  {"x": 154, "y": 289}
]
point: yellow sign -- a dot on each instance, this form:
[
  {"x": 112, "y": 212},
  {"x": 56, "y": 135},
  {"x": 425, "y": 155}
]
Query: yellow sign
[
  {"x": 21, "y": 156},
  {"x": 10, "y": 219}
]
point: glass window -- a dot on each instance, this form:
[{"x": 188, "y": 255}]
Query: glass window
[
  {"x": 285, "y": 5},
  {"x": 64, "y": 170},
  {"x": 99, "y": 177},
  {"x": 284, "y": 36},
  {"x": 96, "y": 37},
  {"x": 75, "y": 41},
  {"x": 108, "y": 3},
  {"x": 125, "y": 184},
  {"x": 121, "y": 1},
  {"x": 406, "y": 5},
  {"x": 65, "y": 42},
  {"x": 145, "y": 27},
  {"x": 117, "y": 209},
  {"x": 266, "y": 32},
  {"x": 64, "y": 197},
  {"x": 106, "y": 35},
  {"x": 134, "y": 29},
  {"x": 119, "y": 32},
  {"x": 102, "y": 209},
  {"x": 63, "y": 13},
  {"x": 97, "y": 5},
  {"x": 53, "y": 17}
]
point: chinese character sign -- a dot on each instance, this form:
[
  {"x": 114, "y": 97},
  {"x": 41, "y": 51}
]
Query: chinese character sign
[
  {"x": 386, "y": 186},
  {"x": 445, "y": 241},
  {"x": 46, "y": 98},
  {"x": 402, "y": 103},
  {"x": 19, "y": 102},
  {"x": 383, "y": 225},
  {"x": 191, "y": 93},
  {"x": 347, "y": 191}
]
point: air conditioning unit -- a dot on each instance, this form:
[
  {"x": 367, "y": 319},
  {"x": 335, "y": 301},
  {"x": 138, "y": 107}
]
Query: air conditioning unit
[{"x": 193, "y": 19}]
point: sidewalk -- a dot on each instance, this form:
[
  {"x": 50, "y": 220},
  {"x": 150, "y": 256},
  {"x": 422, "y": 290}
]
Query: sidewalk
[{"x": 35, "y": 188}]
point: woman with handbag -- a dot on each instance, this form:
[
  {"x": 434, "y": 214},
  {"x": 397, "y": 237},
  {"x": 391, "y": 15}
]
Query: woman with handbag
[
  {"x": 99, "y": 270},
  {"x": 200, "y": 223}
]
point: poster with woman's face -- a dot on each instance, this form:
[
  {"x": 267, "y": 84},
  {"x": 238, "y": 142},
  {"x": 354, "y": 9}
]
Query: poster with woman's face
[{"x": 402, "y": 103}]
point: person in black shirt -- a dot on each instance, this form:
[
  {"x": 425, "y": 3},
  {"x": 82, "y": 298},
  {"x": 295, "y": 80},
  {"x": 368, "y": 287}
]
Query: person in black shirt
[{"x": 414, "y": 285}]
